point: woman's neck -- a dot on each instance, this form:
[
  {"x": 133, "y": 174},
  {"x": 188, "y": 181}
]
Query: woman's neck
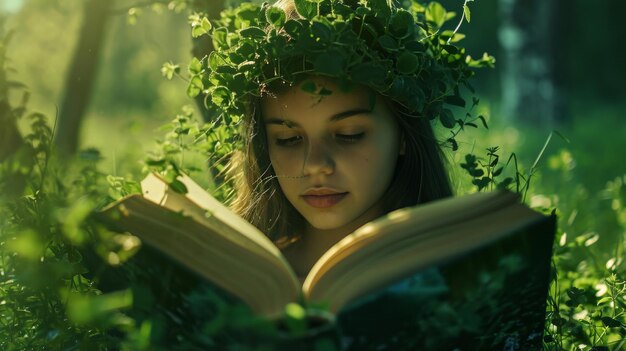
[
  {"x": 319, "y": 241},
  {"x": 314, "y": 242}
]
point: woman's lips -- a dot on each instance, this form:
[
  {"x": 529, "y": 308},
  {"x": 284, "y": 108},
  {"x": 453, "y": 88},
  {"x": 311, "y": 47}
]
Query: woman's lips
[{"x": 323, "y": 201}]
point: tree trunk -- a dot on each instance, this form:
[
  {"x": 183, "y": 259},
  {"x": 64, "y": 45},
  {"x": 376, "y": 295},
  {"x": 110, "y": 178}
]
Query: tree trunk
[
  {"x": 531, "y": 92},
  {"x": 10, "y": 137},
  {"x": 81, "y": 74}
]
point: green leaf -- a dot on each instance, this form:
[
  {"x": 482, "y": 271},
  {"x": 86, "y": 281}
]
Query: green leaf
[
  {"x": 195, "y": 66},
  {"x": 305, "y": 8},
  {"x": 483, "y": 120},
  {"x": 83, "y": 309},
  {"x": 275, "y": 16},
  {"x": 309, "y": 86},
  {"x": 447, "y": 119},
  {"x": 27, "y": 244},
  {"x": 155, "y": 162},
  {"x": 380, "y": 8},
  {"x": 369, "y": 73},
  {"x": 236, "y": 58},
  {"x": 436, "y": 13},
  {"x": 452, "y": 36},
  {"x": 466, "y": 12},
  {"x": 321, "y": 30},
  {"x": 477, "y": 173},
  {"x": 407, "y": 63},
  {"x": 252, "y": 32},
  {"x": 293, "y": 28},
  {"x": 362, "y": 11},
  {"x": 195, "y": 87},
  {"x": 73, "y": 217},
  {"x": 246, "y": 50},
  {"x": 295, "y": 317},
  {"x": 178, "y": 186},
  {"x": 610, "y": 322},
  {"x": 206, "y": 24},
  {"x": 219, "y": 37},
  {"x": 495, "y": 161},
  {"x": 401, "y": 24},
  {"x": 470, "y": 158},
  {"x": 332, "y": 62},
  {"x": 505, "y": 183},
  {"x": 455, "y": 100},
  {"x": 215, "y": 61},
  {"x": 220, "y": 96},
  {"x": 246, "y": 15},
  {"x": 197, "y": 31},
  {"x": 238, "y": 82},
  {"x": 451, "y": 49},
  {"x": 388, "y": 43}
]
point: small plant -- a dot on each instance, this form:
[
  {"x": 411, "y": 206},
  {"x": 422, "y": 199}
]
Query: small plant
[{"x": 485, "y": 173}]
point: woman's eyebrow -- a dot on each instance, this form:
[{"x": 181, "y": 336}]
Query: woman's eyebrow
[
  {"x": 350, "y": 113},
  {"x": 281, "y": 122},
  {"x": 333, "y": 118}
]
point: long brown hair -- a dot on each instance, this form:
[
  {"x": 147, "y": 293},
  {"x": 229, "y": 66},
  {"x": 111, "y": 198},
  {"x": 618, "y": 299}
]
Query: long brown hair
[{"x": 420, "y": 175}]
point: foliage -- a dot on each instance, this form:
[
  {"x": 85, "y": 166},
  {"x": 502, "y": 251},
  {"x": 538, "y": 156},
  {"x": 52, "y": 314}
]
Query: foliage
[
  {"x": 394, "y": 51},
  {"x": 53, "y": 293},
  {"x": 48, "y": 244},
  {"x": 42, "y": 272},
  {"x": 585, "y": 307}
]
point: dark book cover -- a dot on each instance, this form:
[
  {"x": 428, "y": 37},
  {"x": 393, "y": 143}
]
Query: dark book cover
[{"x": 493, "y": 298}]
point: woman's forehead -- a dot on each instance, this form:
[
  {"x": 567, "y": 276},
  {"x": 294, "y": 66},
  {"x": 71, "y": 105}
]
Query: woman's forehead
[
  {"x": 317, "y": 95},
  {"x": 304, "y": 105}
]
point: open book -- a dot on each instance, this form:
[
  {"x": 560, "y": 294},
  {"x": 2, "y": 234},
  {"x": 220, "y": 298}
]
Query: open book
[{"x": 455, "y": 234}]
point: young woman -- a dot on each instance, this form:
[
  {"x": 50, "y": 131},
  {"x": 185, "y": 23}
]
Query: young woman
[
  {"x": 318, "y": 167},
  {"x": 320, "y": 162}
]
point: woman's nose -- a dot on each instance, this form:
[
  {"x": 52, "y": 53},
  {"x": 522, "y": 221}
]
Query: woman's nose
[{"x": 318, "y": 159}]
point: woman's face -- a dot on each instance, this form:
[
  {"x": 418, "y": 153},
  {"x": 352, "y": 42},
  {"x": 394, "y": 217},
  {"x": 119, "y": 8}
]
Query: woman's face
[{"x": 334, "y": 155}]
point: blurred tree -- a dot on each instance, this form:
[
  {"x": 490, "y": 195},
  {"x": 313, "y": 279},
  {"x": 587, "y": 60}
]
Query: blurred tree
[
  {"x": 81, "y": 74},
  {"x": 529, "y": 35},
  {"x": 130, "y": 82},
  {"x": 10, "y": 138}
]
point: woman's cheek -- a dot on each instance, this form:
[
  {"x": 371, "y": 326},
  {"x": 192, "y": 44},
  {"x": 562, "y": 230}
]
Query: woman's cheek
[{"x": 286, "y": 160}]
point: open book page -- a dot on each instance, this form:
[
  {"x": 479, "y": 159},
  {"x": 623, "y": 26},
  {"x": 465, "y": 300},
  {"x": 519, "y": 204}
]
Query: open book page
[
  {"x": 221, "y": 246},
  {"x": 407, "y": 240},
  {"x": 234, "y": 227}
]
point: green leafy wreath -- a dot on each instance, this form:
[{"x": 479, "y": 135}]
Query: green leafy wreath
[{"x": 401, "y": 53}]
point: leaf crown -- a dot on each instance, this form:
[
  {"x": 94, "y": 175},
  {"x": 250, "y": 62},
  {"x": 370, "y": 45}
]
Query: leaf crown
[{"x": 402, "y": 53}]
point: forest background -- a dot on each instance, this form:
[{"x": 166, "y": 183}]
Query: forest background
[{"x": 558, "y": 69}]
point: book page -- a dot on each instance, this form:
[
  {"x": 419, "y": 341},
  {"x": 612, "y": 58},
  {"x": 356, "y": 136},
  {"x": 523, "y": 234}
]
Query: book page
[
  {"x": 199, "y": 248},
  {"x": 407, "y": 239},
  {"x": 204, "y": 207}
]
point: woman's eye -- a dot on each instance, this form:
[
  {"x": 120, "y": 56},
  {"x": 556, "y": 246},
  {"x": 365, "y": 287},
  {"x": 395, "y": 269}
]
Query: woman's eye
[
  {"x": 350, "y": 138},
  {"x": 288, "y": 141}
]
